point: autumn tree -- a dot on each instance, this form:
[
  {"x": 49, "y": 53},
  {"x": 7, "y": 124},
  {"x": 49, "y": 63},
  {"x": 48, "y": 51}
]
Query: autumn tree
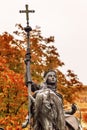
[{"x": 44, "y": 56}]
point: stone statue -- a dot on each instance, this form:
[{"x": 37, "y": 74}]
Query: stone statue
[{"x": 41, "y": 92}]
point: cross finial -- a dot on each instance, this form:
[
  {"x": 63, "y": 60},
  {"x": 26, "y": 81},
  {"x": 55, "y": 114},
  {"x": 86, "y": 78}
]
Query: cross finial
[{"x": 27, "y": 12}]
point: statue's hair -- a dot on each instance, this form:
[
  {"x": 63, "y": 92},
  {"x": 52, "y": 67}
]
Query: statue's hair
[{"x": 48, "y": 72}]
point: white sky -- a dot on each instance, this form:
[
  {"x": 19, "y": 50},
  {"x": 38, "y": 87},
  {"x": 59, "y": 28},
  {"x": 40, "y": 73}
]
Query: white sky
[{"x": 64, "y": 19}]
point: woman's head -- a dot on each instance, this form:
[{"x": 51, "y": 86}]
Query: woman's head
[{"x": 50, "y": 77}]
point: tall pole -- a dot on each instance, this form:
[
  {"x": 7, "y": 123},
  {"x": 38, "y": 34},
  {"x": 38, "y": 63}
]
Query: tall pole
[{"x": 28, "y": 55}]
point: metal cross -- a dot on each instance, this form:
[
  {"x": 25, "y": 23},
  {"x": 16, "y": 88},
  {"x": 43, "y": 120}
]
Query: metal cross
[{"x": 27, "y": 12}]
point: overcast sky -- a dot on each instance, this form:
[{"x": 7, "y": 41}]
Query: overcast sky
[{"x": 64, "y": 19}]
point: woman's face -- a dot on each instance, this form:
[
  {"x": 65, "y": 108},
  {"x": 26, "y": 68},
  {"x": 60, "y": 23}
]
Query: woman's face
[{"x": 51, "y": 77}]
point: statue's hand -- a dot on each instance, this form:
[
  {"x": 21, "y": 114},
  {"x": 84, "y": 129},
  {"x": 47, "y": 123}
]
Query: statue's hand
[{"x": 74, "y": 107}]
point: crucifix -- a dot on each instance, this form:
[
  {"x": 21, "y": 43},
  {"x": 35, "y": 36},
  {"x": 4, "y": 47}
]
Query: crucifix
[
  {"x": 28, "y": 56},
  {"x": 27, "y": 12}
]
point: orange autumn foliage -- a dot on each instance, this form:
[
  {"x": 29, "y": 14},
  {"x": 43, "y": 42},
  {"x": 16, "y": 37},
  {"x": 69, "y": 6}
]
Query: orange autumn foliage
[{"x": 13, "y": 94}]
